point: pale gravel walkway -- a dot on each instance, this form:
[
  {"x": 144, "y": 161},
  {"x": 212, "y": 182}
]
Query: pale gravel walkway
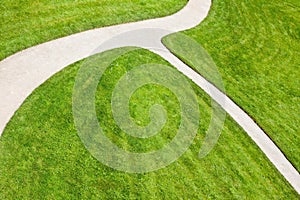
[{"x": 22, "y": 72}]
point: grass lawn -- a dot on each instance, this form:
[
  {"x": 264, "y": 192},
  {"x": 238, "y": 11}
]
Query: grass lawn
[
  {"x": 255, "y": 45},
  {"x": 25, "y": 23},
  {"x": 43, "y": 157}
]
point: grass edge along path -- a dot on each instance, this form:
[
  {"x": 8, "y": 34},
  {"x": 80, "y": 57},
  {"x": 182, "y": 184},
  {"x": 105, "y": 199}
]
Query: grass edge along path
[
  {"x": 28, "y": 23},
  {"x": 42, "y": 155},
  {"x": 255, "y": 46}
]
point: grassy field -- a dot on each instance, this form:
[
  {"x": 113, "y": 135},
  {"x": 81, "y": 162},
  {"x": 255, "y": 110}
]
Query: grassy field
[
  {"x": 255, "y": 45},
  {"x": 43, "y": 157},
  {"x": 25, "y": 23}
]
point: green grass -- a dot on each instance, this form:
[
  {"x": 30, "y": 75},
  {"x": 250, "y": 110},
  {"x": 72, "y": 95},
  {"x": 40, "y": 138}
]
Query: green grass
[
  {"x": 43, "y": 157},
  {"x": 255, "y": 44},
  {"x": 25, "y": 23}
]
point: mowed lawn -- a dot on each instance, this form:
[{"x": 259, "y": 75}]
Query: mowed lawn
[
  {"x": 42, "y": 156},
  {"x": 255, "y": 45},
  {"x": 25, "y": 23}
]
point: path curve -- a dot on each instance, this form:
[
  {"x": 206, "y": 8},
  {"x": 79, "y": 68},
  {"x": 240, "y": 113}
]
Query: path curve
[{"x": 24, "y": 71}]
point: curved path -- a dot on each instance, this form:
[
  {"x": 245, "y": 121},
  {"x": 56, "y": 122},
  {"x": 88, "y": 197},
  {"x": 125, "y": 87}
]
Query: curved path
[{"x": 24, "y": 71}]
